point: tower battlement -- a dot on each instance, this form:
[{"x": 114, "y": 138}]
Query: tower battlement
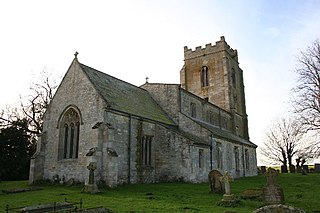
[{"x": 209, "y": 48}]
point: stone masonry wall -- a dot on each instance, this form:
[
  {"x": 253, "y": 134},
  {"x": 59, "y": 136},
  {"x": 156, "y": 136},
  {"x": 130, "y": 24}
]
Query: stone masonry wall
[{"x": 75, "y": 90}]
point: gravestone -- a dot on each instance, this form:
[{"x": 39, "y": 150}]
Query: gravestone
[
  {"x": 91, "y": 187},
  {"x": 305, "y": 169},
  {"x": 284, "y": 169},
  {"x": 317, "y": 167},
  {"x": 292, "y": 169},
  {"x": 263, "y": 169},
  {"x": 272, "y": 192},
  {"x": 228, "y": 198},
  {"x": 214, "y": 181},
  {"x": 279, "y": 208},
  {"x": 299, "y": 170}
]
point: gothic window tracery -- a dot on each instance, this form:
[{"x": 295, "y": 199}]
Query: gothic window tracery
[{"x": 69, "y": 134}]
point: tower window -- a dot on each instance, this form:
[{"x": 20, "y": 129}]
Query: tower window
[{"x": 204, "y": 76}]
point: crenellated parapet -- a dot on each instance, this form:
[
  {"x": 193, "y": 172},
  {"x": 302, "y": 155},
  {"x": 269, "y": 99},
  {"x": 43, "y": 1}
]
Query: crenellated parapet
[{"x": 209, "y": 49}]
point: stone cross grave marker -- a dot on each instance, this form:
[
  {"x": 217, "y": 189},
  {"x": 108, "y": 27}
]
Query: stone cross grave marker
[
  {"x": 226, "y": 179},
  {"x": 91, "y": 187}
]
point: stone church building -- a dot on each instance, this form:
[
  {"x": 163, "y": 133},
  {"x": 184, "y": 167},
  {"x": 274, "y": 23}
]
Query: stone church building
[{"x": 152, "y": 133}]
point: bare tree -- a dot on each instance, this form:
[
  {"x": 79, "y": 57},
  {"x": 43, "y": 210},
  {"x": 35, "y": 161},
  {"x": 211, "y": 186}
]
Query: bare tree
[
  {"x": 32, "y": 108},
  {"x": 307, "y": 92},
  {"x": 283, "y": 142}
]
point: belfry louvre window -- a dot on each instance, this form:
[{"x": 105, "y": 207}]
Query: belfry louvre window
[
  {"x": 204, "y": 76},
  {"x": 146, "y": 150},
  {"x": 69, "y": 135}
]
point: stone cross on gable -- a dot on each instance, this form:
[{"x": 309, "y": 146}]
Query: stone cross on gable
[{"x": 147, "y": 79}]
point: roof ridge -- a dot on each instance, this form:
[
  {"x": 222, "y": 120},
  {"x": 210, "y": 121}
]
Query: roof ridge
[{"x": 81, "y": 64}]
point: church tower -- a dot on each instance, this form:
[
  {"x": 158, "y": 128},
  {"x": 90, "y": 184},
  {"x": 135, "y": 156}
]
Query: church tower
[{"x": 213, "y": 73}]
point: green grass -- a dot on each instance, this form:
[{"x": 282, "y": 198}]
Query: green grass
[{"x": 300, "y": 191}]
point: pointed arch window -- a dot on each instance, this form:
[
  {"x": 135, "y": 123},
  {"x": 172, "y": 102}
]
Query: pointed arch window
[
  {"x": 204, "y": 76},
  {"x": 69, "y": 134}
]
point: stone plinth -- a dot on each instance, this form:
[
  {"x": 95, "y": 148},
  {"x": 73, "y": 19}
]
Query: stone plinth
[
  {"x": 228, "y": 197},
  {"x": 91, "y": 188},
  {"x": 273, "y": 194}
]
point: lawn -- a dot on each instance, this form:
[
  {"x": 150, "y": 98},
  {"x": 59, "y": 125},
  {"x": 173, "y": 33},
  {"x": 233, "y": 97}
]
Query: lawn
[{"x": 300, "y": 191}]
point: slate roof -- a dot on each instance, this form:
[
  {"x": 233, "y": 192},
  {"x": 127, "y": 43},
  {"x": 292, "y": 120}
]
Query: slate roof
[
  {"x": 124, "y": 97},
  {"x": 224, "y": 133}
]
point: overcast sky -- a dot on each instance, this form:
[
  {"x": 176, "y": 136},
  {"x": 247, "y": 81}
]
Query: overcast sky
[{"x": 132, "y": 39}]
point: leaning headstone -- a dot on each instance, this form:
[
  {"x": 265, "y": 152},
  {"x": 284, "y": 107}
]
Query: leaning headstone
[
  {"x": 215, "y": 183},
  {"x": 263, "y": 169},
  {"x": 272, "y": 192},
  {"x": 279, "y": 208},
  {"x": 91, "y": 187},
  {"x": 317, "y": 167}
]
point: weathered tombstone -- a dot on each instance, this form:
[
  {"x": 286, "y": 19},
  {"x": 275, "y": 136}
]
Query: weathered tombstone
[
  {"x": 272, "y": 192},
  {"x": 317, "y": 167},
  {"x": 305, "y": 168},
  {"x": 292, "y": 169},
  {"x": 263, "y": 169},
  {"x": 214, "y": 181},
  {"x": 279, "y": 208},
  {"x": 284, "y": 169},
  {"x": 299, "y": 170},
  {"x": 91, "y": 187}
]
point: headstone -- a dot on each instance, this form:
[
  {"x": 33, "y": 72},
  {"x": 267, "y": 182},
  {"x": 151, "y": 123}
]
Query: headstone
[
  {"x": 317, "y": 167},
  {"x": 292, "y": 169},
  {"x": 214, "y": 180},
  {"x": 226, "y": 179},
  {"x": 284, "y": 169},
  {"x": 272, "y": 192},
  {"x": 305, "y": 168},
  {"x": 279, "y": 208},
  {"x": 263, "y": 169},
  {"x": 91, "y": 187},
  {"x": 299, "y": 170}
]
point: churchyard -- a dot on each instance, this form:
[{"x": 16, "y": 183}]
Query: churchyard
[{"x": 302, "y": 191}]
